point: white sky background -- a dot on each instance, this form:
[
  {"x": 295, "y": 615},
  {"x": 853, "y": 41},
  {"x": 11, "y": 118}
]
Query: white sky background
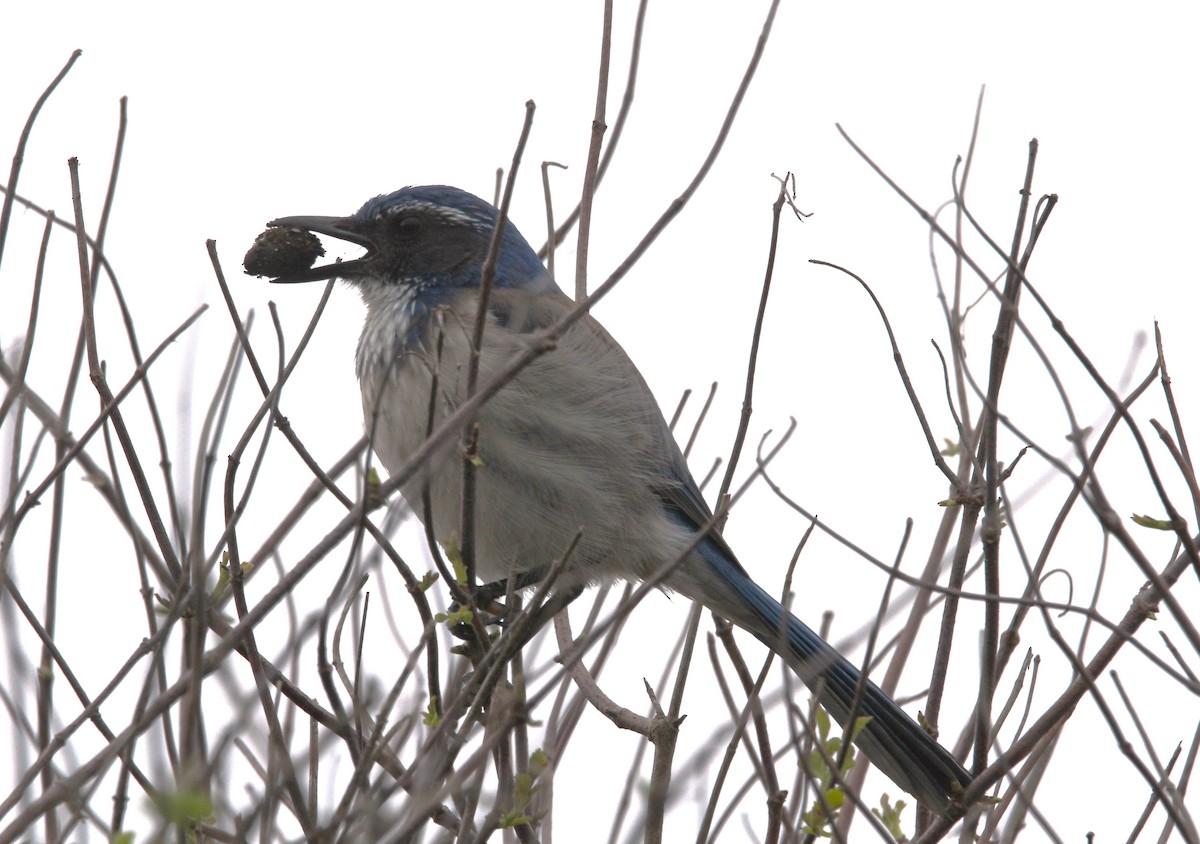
[{"x": 241, "y": 113}]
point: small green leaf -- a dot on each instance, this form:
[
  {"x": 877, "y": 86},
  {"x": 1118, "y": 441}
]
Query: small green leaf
[
  {"x": 432, "y": 717},
  {"x": 818, "y": 820},
  {"x": 889, "y": 815},
  {"x": 822, "y": 719},
  {"x": 454, "y": 554},
  {"x": 859, "y": 724},
  {"x": 526, "y": 781},
  {"x": 462, "y": 615},
  {"x": 1153, "y": 523},
  {"x": 225, "y": 575},
  {"x": 815, "y": 821},
  {"x": 523, "y": 790},
  {"x": 511, "y": 819}
]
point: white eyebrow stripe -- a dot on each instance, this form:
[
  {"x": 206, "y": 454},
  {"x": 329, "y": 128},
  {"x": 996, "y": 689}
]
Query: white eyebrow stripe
[{"x": 445, "y": 212}]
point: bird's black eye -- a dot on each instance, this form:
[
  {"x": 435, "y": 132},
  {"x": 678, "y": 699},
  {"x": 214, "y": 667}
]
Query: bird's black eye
[{"x": 409, "y": 227}]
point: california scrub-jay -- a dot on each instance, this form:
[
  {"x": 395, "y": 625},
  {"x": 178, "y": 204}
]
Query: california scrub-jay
[{"x": 575, "y": 442}]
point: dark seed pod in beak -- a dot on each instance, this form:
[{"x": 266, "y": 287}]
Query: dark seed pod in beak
[{"x": 280, "y": 251}]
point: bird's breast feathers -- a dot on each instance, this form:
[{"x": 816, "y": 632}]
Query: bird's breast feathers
[{"x": 582, "y": 398}]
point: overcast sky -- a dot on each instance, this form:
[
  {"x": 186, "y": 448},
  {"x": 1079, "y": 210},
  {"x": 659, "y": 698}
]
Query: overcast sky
[{"x": 241, "y": 112}]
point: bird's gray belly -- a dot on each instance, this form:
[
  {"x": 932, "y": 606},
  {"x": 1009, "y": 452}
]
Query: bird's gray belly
[{"x": 546, "y": 478}]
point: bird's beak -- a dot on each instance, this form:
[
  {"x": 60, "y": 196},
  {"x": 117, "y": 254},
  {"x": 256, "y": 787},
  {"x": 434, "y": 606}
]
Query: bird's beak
[{"x": 343, "y": 228}]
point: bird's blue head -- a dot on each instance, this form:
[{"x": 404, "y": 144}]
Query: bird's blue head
[{"x": 432, "y": 237}]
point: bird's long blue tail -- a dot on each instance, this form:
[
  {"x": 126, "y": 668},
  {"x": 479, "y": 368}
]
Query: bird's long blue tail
[{"x": 892, "y": 740}]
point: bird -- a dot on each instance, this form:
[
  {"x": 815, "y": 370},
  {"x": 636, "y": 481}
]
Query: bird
[{"x": 574, "y": 449}]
